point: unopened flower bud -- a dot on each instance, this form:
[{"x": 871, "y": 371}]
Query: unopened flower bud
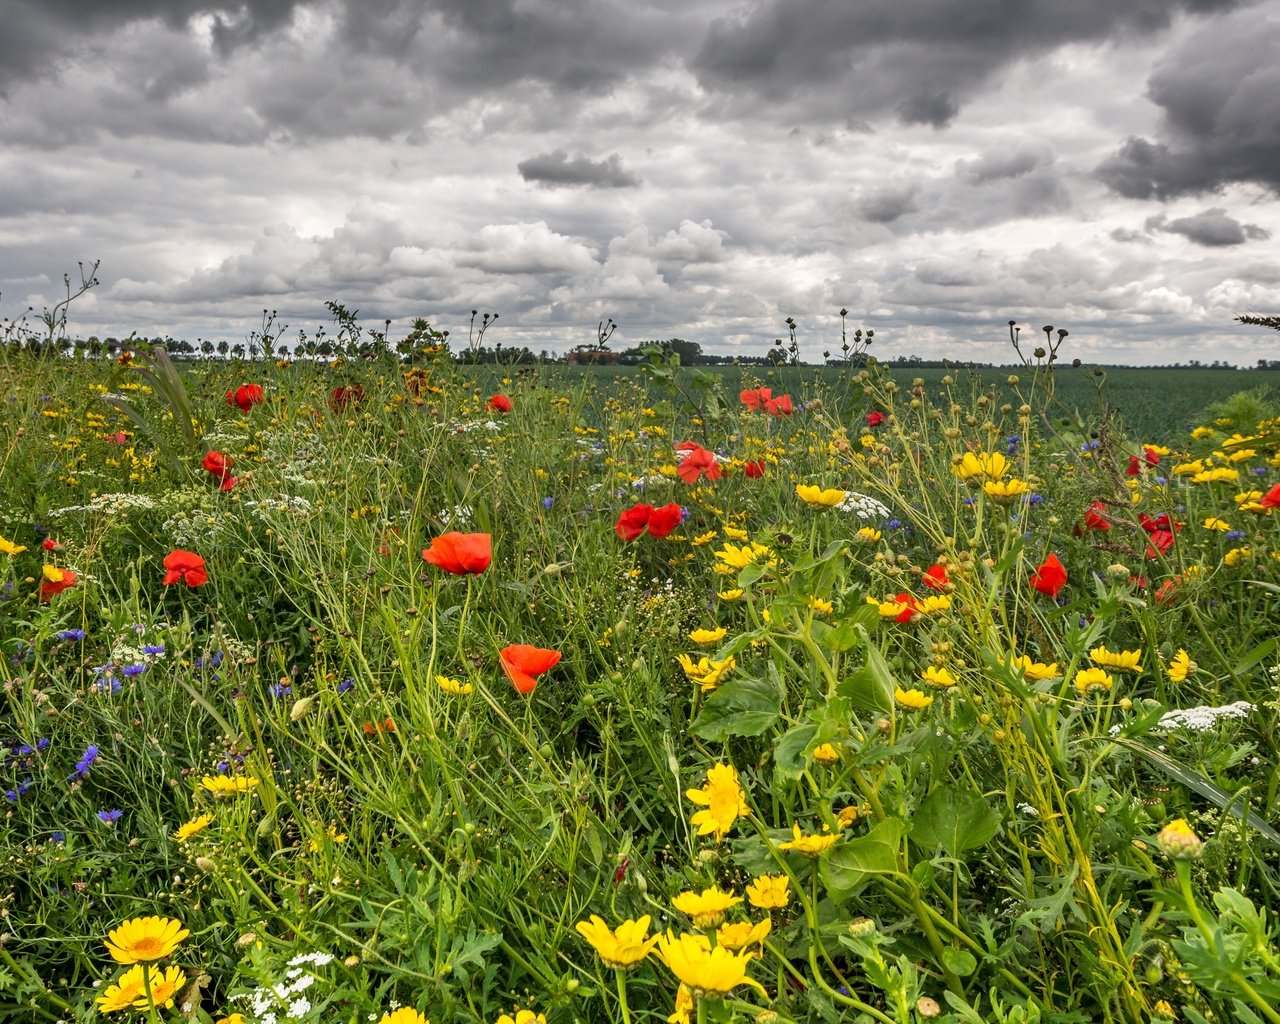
[
  {"x": 927, "y": 1008},
  {"x": 301, "y": 707},
  {"x": 861, "y": 927},
  {"x": 206, "y": 864},
  {"x": 1178, "y": 841}
]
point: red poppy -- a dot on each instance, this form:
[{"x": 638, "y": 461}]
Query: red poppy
[
  {"x": 1163, "y": 522},
  {"x": 698, "y": 462},
  {"x": 185, "y": 567},
  {"x": 348, "y": 394},
  {"x": 911, "y": 609},
  {"x": 463, "y": 554},
  {"x": 218, "y": 465},
  {"x": 639, "y": 517},
  {"x": 780, "y": 406},
  {"x": 935, "y": 577},
  {"x": 1161, "y": 542},
  {"x": 1169, "y": 591},
  {"x": 1135, "y": 467},
  {"x": 1271, "y": 499},
  {"x": 754, "y": 470},
  {"x": 386, "y": 725},
  {"x": 523, "y": 663},
  {"x": 50, "y": 589},
  {"x": 1050, "y": 577},
  {"x": 1095, "y": 517},
  {"x": 119, "y": 437},
  {"x": 754, "y": 398},
  {"x": 49, "y": 544},
  {"x": 875, "y": 418},
  {"x": 246, "y": 396},
  {"x": 500, "y": 403}
]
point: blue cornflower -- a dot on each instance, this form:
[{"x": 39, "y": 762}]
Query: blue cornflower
[
  {"x": 153, "y": 649},
  {"x": 19, "y": 791},
  {"x": 1236, "y": 534},
  {"x": 58, "y": 837},
  {"x": 108, "y": 684},
  {"x": 109, "y": 817},
  {"x": 70, "y": 634},
  {"x": 346, "y": 684},
  {"x": 1035, "y": 499},
  {"x": 278, "y": 690},
  {"x": 84, "y": 764},
  {"x": 42, "y": 743},
  {"x": 548, "y": 501},
  {"x": 133, "y": 670},
  {"x": 1258, "y": 471}
]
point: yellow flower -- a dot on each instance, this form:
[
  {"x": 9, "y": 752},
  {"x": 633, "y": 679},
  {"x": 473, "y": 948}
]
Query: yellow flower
[
  {"x": 621, "y": 948},
  {"x": 1181, "y": 666},
  {"x": 1240, "y": 454},
  {"x": 869, "y": 534},
  {"x": 709, "y": 973},
  {"x": 1163, "y": 1010},
  {"x": 938, "y": 678},
  {"x": 735, "y": 594},
  {"x": 703, "y": 538},
  {"x": 165, "y": 986},
  {"x": 193, "y": 827},
  {"x": 813, "y": 495},
  {"x": 121, "y": 995},
  {"x": 706, "y": 908},
  {"x": 741, "y": 934},
  {"x": 826, "y": 754},
  {"x": 1214, "y": 523},
  {"x": 933, "y": 603},
  {"x": 811, "y": 845},
  {"x": 683, "y": 1011},
  {"x": 722, "y": 799},
  {"x": 769, "y": 892},
  {"x": 404, "y": 1015},
  {"x": 1034, "y": 671},
  {"x": 912, "y": 700},
  {"x": 821, "y": 607},
  {"x": 973, "y": 468},
  {"x": 733, "y": 533},
  {"x": 1122, "y": 661},
  {"x": 1179, "y": 841},
  {"x": 522, "y": 1017},
  {"x": 315, "y": 845},
  {"x": 1187, "y": 468},
  {"x": 708, "y": 636},
  {"x": 733, "y": 556},
  {"x": 8, "y": 547},
  {"x": 1202, "y": 432},
  {"x": 231, "y": 1018},
  {"x": 1091, "y": 679},
  {"x": 705, "y": 672},
  {"x": 891, "y": 609},
  {"x": 852, "y": 814},
  {"x": 1236, "y": 555},
  {"x": 226, "y": 786},
  {"x": 53, "y": 574},
  {"x": 1216, "y": 475},
  {"x": 454, "y": 686},
  {"x": 143, "y": 939},
  {"x": 1004, "y": 491}
]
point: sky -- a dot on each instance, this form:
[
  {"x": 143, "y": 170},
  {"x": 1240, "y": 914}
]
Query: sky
[{"x": 700, "y": 169}]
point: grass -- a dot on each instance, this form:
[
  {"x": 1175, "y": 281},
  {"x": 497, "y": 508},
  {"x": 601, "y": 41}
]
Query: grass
[{"x": 957, "y": 769}]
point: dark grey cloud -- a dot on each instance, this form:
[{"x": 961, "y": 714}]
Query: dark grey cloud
[
  {"x": 1219, "y": 94},
  {"x": 558, "y": 168},
  {"x": 1211, "y": 228},
  {"x": 918, "y": 59},
  {"x": 887, "y": 205}
]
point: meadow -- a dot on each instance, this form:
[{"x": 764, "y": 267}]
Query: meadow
[{"x": 369, "y": 691}]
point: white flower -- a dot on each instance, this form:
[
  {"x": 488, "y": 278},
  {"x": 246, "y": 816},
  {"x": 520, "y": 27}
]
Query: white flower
[
  {"x": 864, "y": 506},
  {"x": 299, "y": 1007}
]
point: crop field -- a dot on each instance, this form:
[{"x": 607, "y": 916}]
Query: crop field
[{"x": 393, "y": 691}]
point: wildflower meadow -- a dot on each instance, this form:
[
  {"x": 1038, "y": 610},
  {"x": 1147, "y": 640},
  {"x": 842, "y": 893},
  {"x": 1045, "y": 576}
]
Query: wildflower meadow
[{"x": 395, "y": 690}]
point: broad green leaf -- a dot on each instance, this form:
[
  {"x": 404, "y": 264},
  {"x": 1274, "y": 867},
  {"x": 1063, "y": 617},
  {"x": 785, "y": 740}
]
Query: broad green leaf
[
  {"x": 849, "y": 864},
  {"x": 744, "y": 706},
  {"x": 959, "y": 961},
  {"x": 870, "y": 687},
  {"x": 955, "y": 820},
  {"x": 788, "y": 752}
]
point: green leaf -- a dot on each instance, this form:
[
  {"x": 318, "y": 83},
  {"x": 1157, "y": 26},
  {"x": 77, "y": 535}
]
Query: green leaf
[
  {"x": 870, "y": 687},
  {"x": 959, "y": 962},
  {"x": 744, "y": 706},
  {"x": 955, "y": 820},
  {"x": 850, "y": 864},
  {"x": 788, "y": 752}
]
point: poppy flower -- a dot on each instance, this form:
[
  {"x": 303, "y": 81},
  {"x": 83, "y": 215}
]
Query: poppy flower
[
  {"x": 754, "y": 398},
  {"x": 342, "y": 397},
  {"x": 523, "y": 663},
  {"x": 245, "y": 397},
  {"x": 119, "y": 437},
  {"x": 55, "y": 581},
  {"x": 463, "y": 554},
  {"x": 639, "y": 517},
  {"x": 1095, "y": 517},
  {"x": 218, "y": 465},
  {"x": 754, "y": 470},
  {"x": 373, "y": 728},
  {"x": 185, "y": 567},
  {"x": 780, "y": 406},
  {"x": 935, "y": 577},
  {"x": 49, "y": 544},
  {"x": 1050, "y": 577},
  {"x": 1271, "y": 499},
  {"x": 875, "y": 418},
  {"x": 696, "y": 462},
  {"x": 499, "y": 403}
]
